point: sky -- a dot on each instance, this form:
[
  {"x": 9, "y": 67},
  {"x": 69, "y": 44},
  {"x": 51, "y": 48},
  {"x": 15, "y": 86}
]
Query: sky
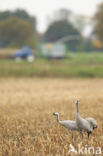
[{"x": 44, "y": 8}]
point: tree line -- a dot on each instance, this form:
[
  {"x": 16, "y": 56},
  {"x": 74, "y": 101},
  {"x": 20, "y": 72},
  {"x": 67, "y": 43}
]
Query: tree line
[{"x": 18, "y": 28}]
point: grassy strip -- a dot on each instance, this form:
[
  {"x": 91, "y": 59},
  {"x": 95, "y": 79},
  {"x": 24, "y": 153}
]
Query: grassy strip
[{"x": 77, "y": 65}]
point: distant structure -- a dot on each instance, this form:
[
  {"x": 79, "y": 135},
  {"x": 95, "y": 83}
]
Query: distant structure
[{"x": 56, "y": 49}]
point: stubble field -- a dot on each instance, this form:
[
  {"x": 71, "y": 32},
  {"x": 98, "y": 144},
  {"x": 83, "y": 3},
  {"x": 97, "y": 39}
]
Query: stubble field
[{"x": 27, "y": 126}]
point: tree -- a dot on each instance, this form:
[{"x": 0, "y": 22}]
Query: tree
[
  {"x": 62, "y": 14},
  {"x": 24, "y": 15},
  {"x": 15, "y": 32},
  {"x": 4, "y": 15},
  {"x": 98, "y": 25},
  {"x": 60, "y": 29},
  {"x": 20, "y": 14},
  {"x": 80, "y": 22}
]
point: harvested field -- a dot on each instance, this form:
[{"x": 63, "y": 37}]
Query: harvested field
[{"x": 27, "y": 126}]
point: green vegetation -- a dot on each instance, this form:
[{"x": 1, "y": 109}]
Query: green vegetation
[
  {"x": 76, "y": 65},
  {"x": 17, "y": 28},
  {"x": 98, "y": 19}
]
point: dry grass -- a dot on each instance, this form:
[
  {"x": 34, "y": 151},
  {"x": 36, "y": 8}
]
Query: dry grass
[
  {"x": 5, "y": 52},
  {"x": 27, "y": 126}
]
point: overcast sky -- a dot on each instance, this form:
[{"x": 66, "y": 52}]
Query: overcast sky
[{"x": 43, "y": 8}]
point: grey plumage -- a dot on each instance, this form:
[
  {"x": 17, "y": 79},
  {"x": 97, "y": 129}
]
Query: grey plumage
[
  {"x": 80, "y": 124},
  {"x": 87, "y": 124},
  {"x": 70, "y": 124}
]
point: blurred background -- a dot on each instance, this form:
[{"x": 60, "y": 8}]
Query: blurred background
[
  {"x": 51, "y": 39},
  {"x": 51, "y": 55}
]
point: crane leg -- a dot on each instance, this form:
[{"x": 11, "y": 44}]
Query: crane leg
[
  {"x": 82, "y": 134},
  {"x": 72, "y": 136},
  {"x": 89, "y": 134}
]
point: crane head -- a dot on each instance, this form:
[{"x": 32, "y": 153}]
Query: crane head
[
  {"x": 56, "y": 113},
  {"x": 93, "y": 122}
]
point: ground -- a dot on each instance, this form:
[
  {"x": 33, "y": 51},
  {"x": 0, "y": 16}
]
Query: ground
[{"x": 27, "y": 126}]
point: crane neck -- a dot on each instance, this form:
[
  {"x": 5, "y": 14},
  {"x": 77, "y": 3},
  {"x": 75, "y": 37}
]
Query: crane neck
[
  {"x": 77, "y": 107},
  {"x": 58, "y": 118}
]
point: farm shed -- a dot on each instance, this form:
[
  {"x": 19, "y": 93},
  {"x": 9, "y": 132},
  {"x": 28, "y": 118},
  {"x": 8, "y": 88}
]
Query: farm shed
[{"x": 53, "y": 50}]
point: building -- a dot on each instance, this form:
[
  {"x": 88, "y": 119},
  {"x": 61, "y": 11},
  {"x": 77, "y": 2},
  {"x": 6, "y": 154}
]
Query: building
[{"x": 54, "y": 50}]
